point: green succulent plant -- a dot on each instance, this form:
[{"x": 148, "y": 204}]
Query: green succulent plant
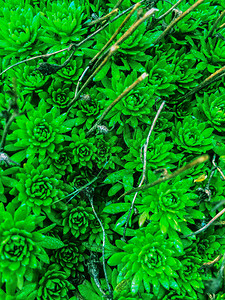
[
  {"x": 63, "y": 22},
  {"x": 77, "y": 220},
  {"x": 148, "y": 259},
  {"x": 135, "y": 107},
  {"x": 54, "y": 284},
  {"x": 7, "y": 180},
  {"x": 87, "y": 108},
  {"x": 70, "y": 257},
  {"x": 20, "y": 32},
  {"x": 59, "y": 93},
  {"x": 38, "y": 133},
  {"x": 37, "y": 187},
  {"x": 20, "y": 249},
  {"x": 83, "y": 148},
  {"x": 213, "y": 107},
  {"x": 28, "y": 80},
  {"x": 61, "y": 163},
  {"x": 170, "y": 206},
  {"x": 190, "y": 277},
  {"x": 158, "y": 154},
  {"x": 192, "y": 136}
]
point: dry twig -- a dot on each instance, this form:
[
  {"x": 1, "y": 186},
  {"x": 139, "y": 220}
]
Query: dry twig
[
  {"x": 207, "y": 225},
  {"x": 145, "y": 147},
  {"x": 215, "y": 24},
  {"x": 123, "y": 94},
  {"x": 184, "y": 14},
  {"x": 195, "y": 162}
]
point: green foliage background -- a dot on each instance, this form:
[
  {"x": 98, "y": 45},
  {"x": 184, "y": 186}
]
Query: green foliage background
[{"x": 46, "y": 241}]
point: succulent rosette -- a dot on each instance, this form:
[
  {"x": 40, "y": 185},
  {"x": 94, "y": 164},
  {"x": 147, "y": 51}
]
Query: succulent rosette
[
  {"x": 37, "y": 186},
  {"x": 63, "y": 22},
  {"x": 158, "y": 153},
  {"x": 172, "y": 206},
  {"x": 54, "y": 284},
  {"x": 20, "y": 246},
  {"x": 70, "y": 257},
  {"x": 78, "y": 220},
  {"x": 134, "y": 107},
  {"x": 20, "y": 31},
  {"x": 38, "y": 133},
  {"x": 190, "y": 277},
  {"x": 28, "y": 79},
  {"x": 192, "y": 136},
  {"x": 213, "y": 107},
  {"x": 59, "y": 93},
  {"x": 148, "y": 258},
  {"x": 83, "y": 148},
  {"x": 87, "y": 108},
  {"x": 61, "y": 163}
]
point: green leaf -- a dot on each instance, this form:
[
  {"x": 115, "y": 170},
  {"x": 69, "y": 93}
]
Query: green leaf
[
  {"x": 21, "y": 213},
  {"x": 115, "y": 189},
  {"x": 88, "y": 293},
  {"x": 163, "y": 223},
  {"x": 43, "y": 256},
  {"x": 46, "y": 229},
  {"x": 116, "y": 208},
  {"x": 50, "y": 242},
  {"x": 116, "y": 258},
  {"x": 136, "y": 282},
  {"x": 102, "y": 73},
  {"x": 164, "y": 282},
  {"x": 143, "y": 217}
]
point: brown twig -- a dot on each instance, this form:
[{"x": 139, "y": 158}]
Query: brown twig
[
  {"x": 186, "y": 12},
  {"x": 134, "y": 26},
  {"x": 105, "y": 46},
  {"x": 211, "y": 263},
  {"x": 118, "y": 4},
  {"x": 215, "y": 24},
  {"x": 38, "y": 56},
  {"x": 207, "y": 225},
  {"x": 103, "y": 18},
  {"x": 213, "y": 77},
  {"x": 113, "y": 49},
  {"x": 116, "y": 32},
  {"x": 123, "y": 94},
  {"x": 168, "y": 11},
  {"x": 195, "y": 162},
  {"x": 144, "y": 166}
]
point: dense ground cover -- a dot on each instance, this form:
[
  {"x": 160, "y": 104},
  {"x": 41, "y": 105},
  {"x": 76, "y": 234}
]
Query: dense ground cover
[{"x": 79, "y": 132}]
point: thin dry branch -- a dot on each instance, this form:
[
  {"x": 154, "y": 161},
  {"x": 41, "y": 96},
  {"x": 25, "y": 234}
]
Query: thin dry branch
[
  {"x": 215, "y": 24},
  {"x": 207, "y": 225},
  {"x": 105, "y": 46},
  {"x": 113, "y": 49},
  {"x": 144, "y": 166},
  {"x": 190, "y": 165},
  {"x": 211, "y": 263},
  {"x": 103, "y": 18},
  {"x": 168, "y": 11},
  {"x": 116, "y": 32},
  {"x": 134, "y": 26},
  {"x": 38, "y": 56},
  {"x": 184, "y": 14},
  {"x": 123, "y": 94},
  {"x": 213, "y": 77}
]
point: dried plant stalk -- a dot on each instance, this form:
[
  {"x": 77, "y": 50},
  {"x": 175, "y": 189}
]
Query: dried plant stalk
[
  {"x": 123, "y": 94},
  {"x": 195, "y": 162},
  {"x": 184, "y": 14}
]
